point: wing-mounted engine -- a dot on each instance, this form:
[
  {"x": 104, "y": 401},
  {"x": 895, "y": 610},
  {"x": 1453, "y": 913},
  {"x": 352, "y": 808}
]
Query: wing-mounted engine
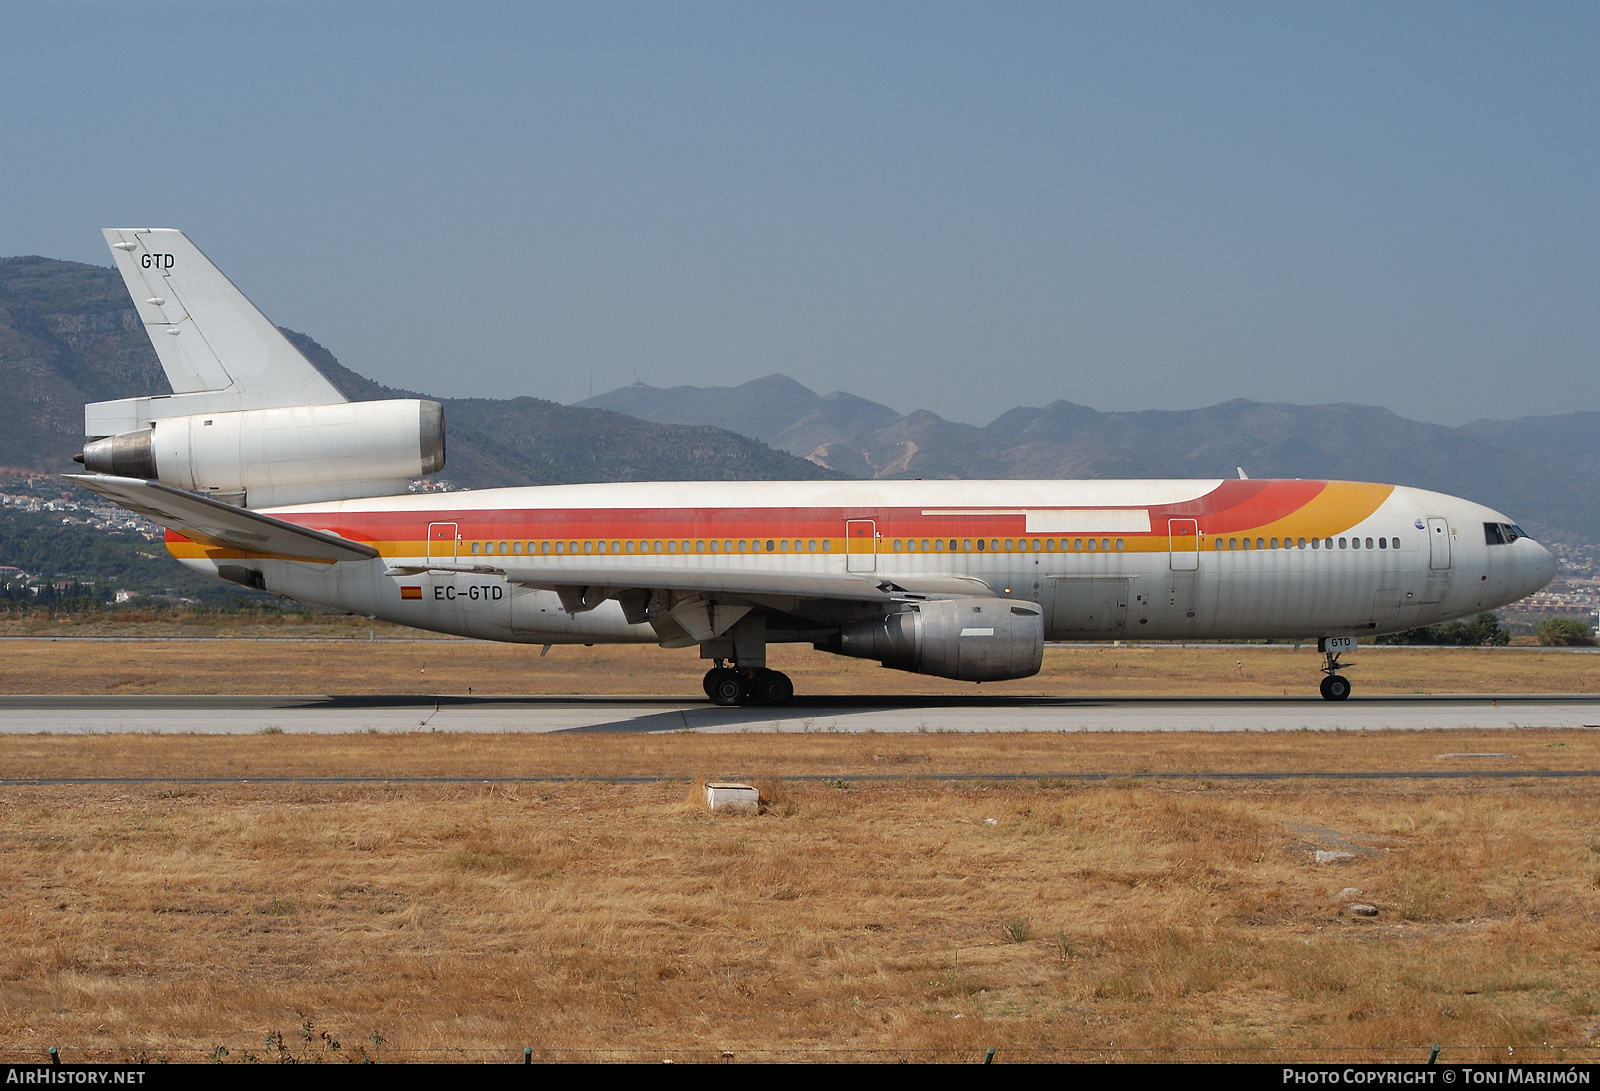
[
  {"x": 270, "y": 457},
  {"x": 970, "y": 639}
]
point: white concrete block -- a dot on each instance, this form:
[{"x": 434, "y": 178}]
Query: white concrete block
[{"x": 738, "y": 798}]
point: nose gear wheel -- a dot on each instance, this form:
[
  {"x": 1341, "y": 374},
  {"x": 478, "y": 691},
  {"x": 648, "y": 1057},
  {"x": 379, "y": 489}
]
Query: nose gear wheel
[{"x": 1335, "y": 686}]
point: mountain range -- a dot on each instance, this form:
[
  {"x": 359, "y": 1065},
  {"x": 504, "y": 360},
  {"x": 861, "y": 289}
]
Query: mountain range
[
  {"x": 69, "y": 335},
  {"x": 1543, "y": 471}
]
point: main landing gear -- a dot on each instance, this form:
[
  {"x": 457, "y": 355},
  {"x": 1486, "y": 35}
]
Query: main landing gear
[
  {"x": 729, "y": 686},
  {"x": 1335, "y": 686}
]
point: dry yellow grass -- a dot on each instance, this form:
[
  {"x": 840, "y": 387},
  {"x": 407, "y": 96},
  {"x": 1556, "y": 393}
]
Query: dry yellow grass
[
  {"x": 1182, "y": 918},
  {"x": 355, "y": 666},
  {"x": 812, "y": 754}
]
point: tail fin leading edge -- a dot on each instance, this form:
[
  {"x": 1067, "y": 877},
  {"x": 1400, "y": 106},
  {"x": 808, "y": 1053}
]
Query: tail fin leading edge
[{"x": 219, "y": 352}]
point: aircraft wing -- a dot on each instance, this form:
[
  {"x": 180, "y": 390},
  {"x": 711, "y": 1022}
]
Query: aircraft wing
[
  {"x": 212, "y": 523},
  {"x": 807, "y": 585},
  {"x": 795, "y": 584}
]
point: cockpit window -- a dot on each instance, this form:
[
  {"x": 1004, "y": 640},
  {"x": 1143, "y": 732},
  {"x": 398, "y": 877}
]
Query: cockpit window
[{"x": 1502, "y": 533}]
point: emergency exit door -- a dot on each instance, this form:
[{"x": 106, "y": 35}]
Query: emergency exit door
[
  {"x": 860, "y": 545},
  {"x": 1183, "y": 538},
  {"x": 442, "y": 538}
]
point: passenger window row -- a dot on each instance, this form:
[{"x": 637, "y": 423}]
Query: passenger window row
[
  {"x": 1293, "y": 543},
  {"x": 659, "y": 546},
  {"x": 1506, "y": 533},
  {"x": 1007, "y": 545}
]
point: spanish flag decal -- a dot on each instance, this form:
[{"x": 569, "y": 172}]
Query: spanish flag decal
[{"x": 411, "y": 592}]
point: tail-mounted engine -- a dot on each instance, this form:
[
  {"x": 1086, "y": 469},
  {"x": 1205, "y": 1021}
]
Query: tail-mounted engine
[
  {"x": 971, "y": 639},
  {"x": 270, "y": 457}
]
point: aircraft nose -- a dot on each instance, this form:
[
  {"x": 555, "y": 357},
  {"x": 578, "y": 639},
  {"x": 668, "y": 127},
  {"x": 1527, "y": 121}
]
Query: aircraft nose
[{"x": 1541, "y": 568}]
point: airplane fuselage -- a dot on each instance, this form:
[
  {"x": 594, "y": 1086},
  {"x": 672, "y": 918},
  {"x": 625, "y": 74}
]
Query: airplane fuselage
[{"x": 1155, "y": 560}]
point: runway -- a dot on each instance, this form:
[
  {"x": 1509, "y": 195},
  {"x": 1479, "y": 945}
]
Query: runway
[{"x": 245, "y": 715}]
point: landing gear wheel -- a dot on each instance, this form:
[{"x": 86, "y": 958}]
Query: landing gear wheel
[
  {"x": 1335, "y": 687},
  {"x": 724, "y": 686},
  {"x": 710, "y": 681},
  {"x": 772, "y": 688}
]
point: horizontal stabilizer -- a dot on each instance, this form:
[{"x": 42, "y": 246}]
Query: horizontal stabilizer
[{"x": 201, "y": 519}]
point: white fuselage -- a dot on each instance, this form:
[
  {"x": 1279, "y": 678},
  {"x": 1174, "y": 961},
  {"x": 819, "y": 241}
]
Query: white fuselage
[{"x": 1160, "y": 560}]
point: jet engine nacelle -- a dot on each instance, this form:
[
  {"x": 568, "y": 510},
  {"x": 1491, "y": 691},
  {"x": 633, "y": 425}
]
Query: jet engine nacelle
[
  {"x": 971, "y": 639},
  {"x": 269, "y": 457}
]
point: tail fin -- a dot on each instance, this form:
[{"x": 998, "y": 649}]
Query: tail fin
[{"x": 219, "y": 352}]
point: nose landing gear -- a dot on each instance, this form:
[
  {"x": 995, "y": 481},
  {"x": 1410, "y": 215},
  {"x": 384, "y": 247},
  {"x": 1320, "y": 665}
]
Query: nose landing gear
[
  {"x": 729, "y": 686},
  {"x": 1335, "y": 686}
]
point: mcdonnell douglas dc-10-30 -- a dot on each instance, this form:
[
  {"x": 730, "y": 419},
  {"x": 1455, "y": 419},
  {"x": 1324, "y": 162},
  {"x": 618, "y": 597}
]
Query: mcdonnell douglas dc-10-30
[{"x": 266, "y": 475}]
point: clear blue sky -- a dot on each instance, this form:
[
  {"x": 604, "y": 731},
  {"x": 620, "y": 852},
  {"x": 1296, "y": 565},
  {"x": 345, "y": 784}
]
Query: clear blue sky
[{"x": 953, "y": 207}]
